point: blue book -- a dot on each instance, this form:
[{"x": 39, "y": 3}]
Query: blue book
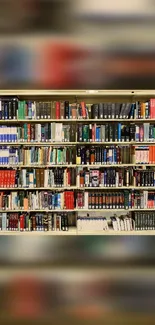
[
  {"x": 105, "y": 156},
  {"x": 4, "y": 219},
  {"x": 119, "y": 131},
  {"x": 29, "y": 110},
  {"x": 99, "y": 134}
]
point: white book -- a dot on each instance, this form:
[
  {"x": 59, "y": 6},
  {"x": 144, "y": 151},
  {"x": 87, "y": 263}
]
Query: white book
[
  {"x": 58, "y": 132},
  {"x": 86, "y": 200},
  {"x": 46, "y": 178},
  {"x": 39, "y": 133},
  {"x": 53, "y": 126},
  {"x": 36, "y": 132}
]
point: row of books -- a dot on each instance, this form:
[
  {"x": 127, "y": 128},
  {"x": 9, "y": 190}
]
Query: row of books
[
  {"x": 116, "y": 200},
  {"x": 144, "y": 220},
  {"x": 104, "y": 177},
  {"x": 13, "y": 108},
  {"x": 59, "y": 132},
  {"x": 103, "y": 155},
  {"x": 121, "y": 223},
  {"x": 66, "y": 177},
  {"x": 117, "y": 177},
  {"x": 143, "y": 155},
  {"x": 138, "y": 110},
  {"x": 144, "y": 132},
  {"x": 47, "y": 178},
  {"x": 49, "y": 132},
  {"x": 144, "y": 177},
  {"x": 34, "y": 222},
  {"x": 92, "y": 224},
  {"x": 106, "y": 133},
  {"x": 37, "y": 155},
  {"x": 82, "y": 155},
  {"x": 60, "y": 222},
  {"x": 37, "y": 200},
  {"x": 116, "y": 132}
]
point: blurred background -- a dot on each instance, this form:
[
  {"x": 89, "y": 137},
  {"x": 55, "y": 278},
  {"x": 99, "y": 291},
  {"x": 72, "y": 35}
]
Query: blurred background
[{"x": 64, "y": 44}]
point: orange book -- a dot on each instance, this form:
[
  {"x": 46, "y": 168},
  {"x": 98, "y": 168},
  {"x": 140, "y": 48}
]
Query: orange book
[
  {"x": 153, "y": 154},
  {"x": 150, "y": 154},
  {"x": 142, "y": 110},
  {"x": 83, "y": 109},
  {"x": 26, "y": 206}
]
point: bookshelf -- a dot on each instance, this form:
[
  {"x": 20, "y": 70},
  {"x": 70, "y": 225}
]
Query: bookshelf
[{"x": 119, "y": 173}]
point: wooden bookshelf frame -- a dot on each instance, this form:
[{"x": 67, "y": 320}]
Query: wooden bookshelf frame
[{"x": 89, "y": 96}]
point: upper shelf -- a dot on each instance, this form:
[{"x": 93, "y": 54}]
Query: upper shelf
[{"x": 75, "y": 92}]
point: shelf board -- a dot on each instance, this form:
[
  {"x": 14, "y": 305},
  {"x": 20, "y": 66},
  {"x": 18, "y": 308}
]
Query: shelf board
[
  {"x": 76, "y": 166},
  {"x": 77, "y": 188},
  {"x": 117, "y": 188},
  {"x": 74, "y": 231},
  {"x": 32, "y": 144},
  {"x": 76, "y": 92},
  {"x": 110, "y": 120},
  {"x": 38, "y": 188},
  {"x": 75, "y": 210},
  {"x": 62, "y": 144}
]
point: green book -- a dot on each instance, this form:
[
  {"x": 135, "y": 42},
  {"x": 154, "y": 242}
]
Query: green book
[
  {"x": 85, "y": 133},
  {"x": 23, "y": 110},
  {"x": 19, "y": 110},
  {"x": 25, "y": 132}
]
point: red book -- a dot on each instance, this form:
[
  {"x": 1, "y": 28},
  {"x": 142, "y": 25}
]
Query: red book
[
  {"x": 152, "y": 108},
  {"x": 29, "y": 132},
  {"x": 2, "y": 178},
  {"x": 93, "y": 133},
  {"x": 8, "y": 178},
  {"x": 58, "y": 110},
  {"x": 5, "y": 178},
  {"x": 83, "y": 109},
  {"x": 1, "y": 171},
  {"x": 67, "y": 200},
  {"x": 22, "y": 223}
]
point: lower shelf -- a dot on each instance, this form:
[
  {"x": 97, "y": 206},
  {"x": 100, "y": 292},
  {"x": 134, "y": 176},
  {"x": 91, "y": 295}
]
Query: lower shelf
[{"x": 74, "y": 232}]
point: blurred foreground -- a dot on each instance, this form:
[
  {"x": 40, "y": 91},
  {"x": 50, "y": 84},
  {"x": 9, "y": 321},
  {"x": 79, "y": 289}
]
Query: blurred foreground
[{"x": 77, "y": 280}]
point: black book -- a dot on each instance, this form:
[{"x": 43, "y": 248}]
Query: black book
[
  {"x": 98, "y": 155},
  {"x": 110, "y": 132},
  {"x": 109, "y": 110},
  {"x": 122, "y": 109},
  {"x": 90, "y": 132},
  {"x": 14, "y": 108},
  {"x": 6, "y": 110},
  {"x": 132, "y": 132},
  {"x": 10, "y": 109},
  {"x": 72, "y": 133},
  {"x": 79, "y": 133},
  {"x": 2, "y": 110},
  {"x": 83, "y": 156},
  {"x": 142, "y": 180},
  {"x": 101, "y": 111},
  {"x": 87, "y": 155},
  {"x": 127, "y": 133},
  {"x": 95, "y": 111},
  {"x": 38, "y": 110},
  {"x": 113, "y": 110},
  {"x": 66, "y": 110},
  {"x": 106, "y": 132},
  {"x": 105, "y": 110},
  {"x": 117, "y": 110}
]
